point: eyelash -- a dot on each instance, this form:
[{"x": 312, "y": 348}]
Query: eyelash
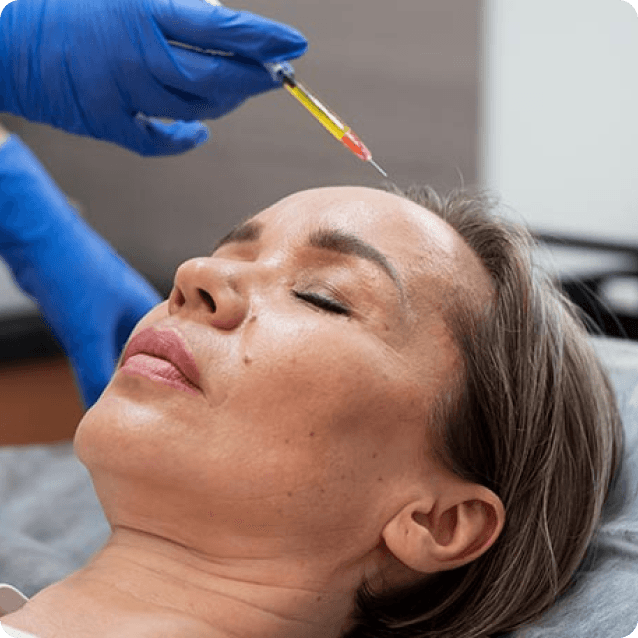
[{"x": 329, "y": 305}]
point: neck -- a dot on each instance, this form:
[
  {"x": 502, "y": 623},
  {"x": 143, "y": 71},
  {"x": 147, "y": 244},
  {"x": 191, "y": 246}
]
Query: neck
[{"x": 140, "y": 576}]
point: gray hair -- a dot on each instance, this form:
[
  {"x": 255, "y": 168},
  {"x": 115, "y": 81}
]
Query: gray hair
[{"x": 533, "y": 417}]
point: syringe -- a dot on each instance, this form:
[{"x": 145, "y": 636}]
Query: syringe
[
  {"x": 335, "y": 125},
  {"x": 284, "y": 72}
]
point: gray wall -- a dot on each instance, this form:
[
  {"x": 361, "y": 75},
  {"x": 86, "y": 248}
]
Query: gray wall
[{"x": 404, "y": 75}]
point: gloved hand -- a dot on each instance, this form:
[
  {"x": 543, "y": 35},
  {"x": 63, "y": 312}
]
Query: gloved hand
[
  {"x": 89, "y": 296},
  {"x": 90, "y": 66}
]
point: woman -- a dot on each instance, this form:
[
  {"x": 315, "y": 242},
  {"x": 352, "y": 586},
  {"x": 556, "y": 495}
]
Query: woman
[{"x": 364, "y": 415}]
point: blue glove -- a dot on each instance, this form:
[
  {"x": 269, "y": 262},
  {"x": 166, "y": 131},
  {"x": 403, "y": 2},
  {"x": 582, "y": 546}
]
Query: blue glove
[
  {"x": 90, "y": 298},
  {"x": 104, "y": 68}
]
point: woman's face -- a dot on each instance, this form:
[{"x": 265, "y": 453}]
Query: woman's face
[{"x": 318, "y": 336}]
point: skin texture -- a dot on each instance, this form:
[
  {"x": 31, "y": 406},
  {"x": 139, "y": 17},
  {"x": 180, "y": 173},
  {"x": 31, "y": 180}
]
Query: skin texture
[{"x": 304, "y": 465}]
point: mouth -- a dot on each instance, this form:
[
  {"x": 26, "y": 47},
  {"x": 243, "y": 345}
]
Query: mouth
[{"x": 162, "y": 355}]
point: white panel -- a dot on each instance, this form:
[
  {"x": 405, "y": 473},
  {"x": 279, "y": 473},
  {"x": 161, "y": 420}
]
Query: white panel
[{"x": 560, "y": 113}]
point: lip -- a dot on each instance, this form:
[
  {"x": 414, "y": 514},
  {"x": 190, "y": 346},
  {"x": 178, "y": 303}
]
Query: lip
[{"x": 164, "y": 344}]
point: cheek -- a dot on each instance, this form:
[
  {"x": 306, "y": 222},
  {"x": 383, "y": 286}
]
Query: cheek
[
  {"x": 321, "y": 383},
  {"x": 294, "y": 364}
]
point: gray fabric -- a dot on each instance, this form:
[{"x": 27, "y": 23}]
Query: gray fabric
[
  {"x": 604, "y": 602},
  {"x": 51, "y": 523},
  {"x": 50, "y": 519}
]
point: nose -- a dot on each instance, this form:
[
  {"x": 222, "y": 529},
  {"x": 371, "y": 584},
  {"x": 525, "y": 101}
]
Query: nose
[{"x": 208, "y": 290}]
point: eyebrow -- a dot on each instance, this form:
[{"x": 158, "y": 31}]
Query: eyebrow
[
  {"x": 325, "y": 238},
  {"x": 243, "y": 232}
]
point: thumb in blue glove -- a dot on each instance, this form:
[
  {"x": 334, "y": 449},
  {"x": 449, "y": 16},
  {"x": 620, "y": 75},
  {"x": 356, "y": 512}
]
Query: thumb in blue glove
[
  {"x": 105, "y": 68},
  {"x": 89, "y": 296}
]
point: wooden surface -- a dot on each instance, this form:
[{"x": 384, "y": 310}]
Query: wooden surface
[{"x": 39, "y": 402}]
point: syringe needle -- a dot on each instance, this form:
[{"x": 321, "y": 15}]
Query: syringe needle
[
  {"x": 378, "y": 167},
  {"x": 329, "y": 120}
]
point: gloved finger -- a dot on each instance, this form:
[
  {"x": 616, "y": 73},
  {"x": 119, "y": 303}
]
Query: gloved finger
[
  {"x": 136, "y": 297},
  {"x": 196, "y": 23},
  {"x": 150, "y": 137},
  {"x": 91, "y": 380},
  {"x": 95, "y": 347},
  {"x": 94, "y": 362},
  {"x": 196, "y": 78},
  {"x": 89, "y": 296},
  {"x": 244, "y": 72}
]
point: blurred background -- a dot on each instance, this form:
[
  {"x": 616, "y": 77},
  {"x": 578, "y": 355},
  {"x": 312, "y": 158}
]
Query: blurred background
[{"x": 534, "y": 100}]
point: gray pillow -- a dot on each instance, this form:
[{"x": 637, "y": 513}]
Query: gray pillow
[
  {"x": 604, "y": 600},
  {"x": 51, "y": 523}
]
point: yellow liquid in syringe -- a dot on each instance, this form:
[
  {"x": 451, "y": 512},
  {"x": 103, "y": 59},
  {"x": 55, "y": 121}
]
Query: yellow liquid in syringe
[{"x": 329, "y": 120}]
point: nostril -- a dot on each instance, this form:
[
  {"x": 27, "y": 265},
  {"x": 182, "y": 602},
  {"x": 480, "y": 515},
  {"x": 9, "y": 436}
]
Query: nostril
[
  {"x": 178, "y": 297},
  {"x": 208, "y": 299}
]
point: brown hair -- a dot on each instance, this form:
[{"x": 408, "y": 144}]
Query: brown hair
[{"x": 534, "y": 419}]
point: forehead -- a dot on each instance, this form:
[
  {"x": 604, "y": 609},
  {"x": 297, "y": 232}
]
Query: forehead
[
  {"x": 402, "y": 230},
  {"x": 433, "y": 262}
]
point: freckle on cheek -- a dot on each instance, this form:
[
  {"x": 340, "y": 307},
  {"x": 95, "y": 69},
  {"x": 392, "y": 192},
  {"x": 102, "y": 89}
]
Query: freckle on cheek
[{"x": 247, "y": 360}]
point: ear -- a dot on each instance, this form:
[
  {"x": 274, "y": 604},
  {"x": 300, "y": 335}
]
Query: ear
[{"x": 432, "y": 535}]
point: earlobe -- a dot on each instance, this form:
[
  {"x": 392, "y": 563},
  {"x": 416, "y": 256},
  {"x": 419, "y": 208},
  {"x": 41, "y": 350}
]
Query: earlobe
[{"x": 431, "y": 536}]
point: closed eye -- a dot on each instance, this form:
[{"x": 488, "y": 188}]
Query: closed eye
[{"x": 324, "y": 303}]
